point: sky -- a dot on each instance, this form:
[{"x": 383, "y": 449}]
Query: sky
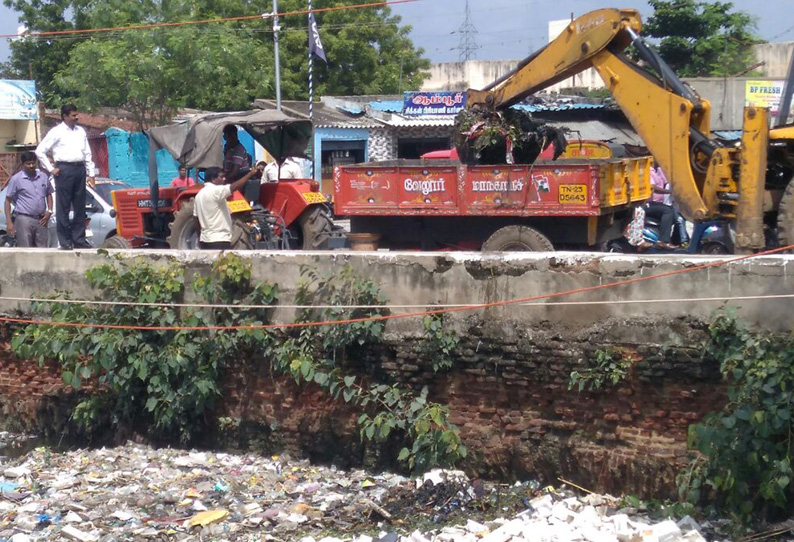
[{"x": 509, "y": 29}]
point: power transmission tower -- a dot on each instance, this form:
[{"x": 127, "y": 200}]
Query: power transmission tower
[{"x": 468, "y": 44}]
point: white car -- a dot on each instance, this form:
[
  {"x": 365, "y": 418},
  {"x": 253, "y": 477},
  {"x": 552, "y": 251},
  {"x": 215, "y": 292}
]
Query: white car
[{"x": 100, "y": 216}]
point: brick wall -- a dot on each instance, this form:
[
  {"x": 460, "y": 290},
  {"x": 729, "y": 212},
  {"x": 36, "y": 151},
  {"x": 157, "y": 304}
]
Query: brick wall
[
  {"x": 507, "y": 390},
  {"x": 508, "y": 393}
]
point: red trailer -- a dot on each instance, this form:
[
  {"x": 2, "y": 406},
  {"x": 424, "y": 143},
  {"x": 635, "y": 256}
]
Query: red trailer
[{"x": 550, "y": 204}]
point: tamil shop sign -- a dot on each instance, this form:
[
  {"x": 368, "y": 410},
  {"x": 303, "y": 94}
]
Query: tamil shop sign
[{"x": 433, "y": 103}]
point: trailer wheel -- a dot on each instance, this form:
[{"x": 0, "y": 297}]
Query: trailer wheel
[
  {"x": 185, "y": 236},
  {"x": 315, "y": 226},
  {"x": 785, "y": 217},
  {"x": 117, "y": 242},
  {"x": 517, "y": 239}
]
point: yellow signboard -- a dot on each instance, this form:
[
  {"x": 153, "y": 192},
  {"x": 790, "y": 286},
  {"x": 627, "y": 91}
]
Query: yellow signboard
[
  {"x": 314, "y": 197},
  {"x": 573, "y": 193},
  {"x": 238, "y": 206},
  {"x": 763, "y": 94}
]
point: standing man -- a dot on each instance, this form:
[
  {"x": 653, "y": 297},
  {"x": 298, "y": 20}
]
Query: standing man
[
  {"x": 31, "y": 193},
  {"x": 210, "y": 211},
  {"x": 68, "y": 145},
  {"x": 288, "y": 168},
  {"x": 182, "y": 181}
]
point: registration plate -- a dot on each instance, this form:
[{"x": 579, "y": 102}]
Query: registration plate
[
  {"x": 573, "y": 193},
  {"x": 314, "y": 197},
  {"x": 238, "y": 206}
]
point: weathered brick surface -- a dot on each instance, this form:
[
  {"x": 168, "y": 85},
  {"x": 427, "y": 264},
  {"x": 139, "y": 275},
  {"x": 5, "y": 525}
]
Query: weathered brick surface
[{"x": 507, "y": 391}]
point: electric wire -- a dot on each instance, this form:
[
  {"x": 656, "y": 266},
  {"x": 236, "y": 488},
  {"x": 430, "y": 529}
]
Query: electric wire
[
  {"x": 75, "y": 31},
  {"x": 385, "y": 317},
  {"x": 388, "y": 306}
]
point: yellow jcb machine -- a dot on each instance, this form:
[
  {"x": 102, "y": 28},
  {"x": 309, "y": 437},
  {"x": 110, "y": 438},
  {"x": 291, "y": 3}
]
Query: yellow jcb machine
[{"x": 709, "y": 179}]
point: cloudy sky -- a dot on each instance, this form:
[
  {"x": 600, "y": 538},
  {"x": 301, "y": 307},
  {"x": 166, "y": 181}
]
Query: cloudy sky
[{"x": 510, "y": 29}]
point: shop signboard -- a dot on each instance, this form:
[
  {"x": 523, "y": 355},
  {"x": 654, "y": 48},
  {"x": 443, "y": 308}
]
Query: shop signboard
[
  {"x": 433, "y": 103},
  {"x": 18, "y": 100},
  {"x": 764, "y": 94}
]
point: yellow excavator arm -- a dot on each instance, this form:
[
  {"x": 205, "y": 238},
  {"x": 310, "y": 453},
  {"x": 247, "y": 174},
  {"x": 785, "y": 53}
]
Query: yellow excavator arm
[{"x": 669, "y": 116}]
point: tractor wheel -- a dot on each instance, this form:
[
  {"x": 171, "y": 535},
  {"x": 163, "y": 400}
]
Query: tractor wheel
[
  {"x": 517, "y": 239},
  {"x": 315, "y": 225},
  {"x": 785, "y": 217},
  {"x": 117, "y": 242},
  {"x": 185, "y": 236}
]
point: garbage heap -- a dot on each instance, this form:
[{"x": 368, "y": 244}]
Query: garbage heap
[
  {"x": 486, "y": 137},
  {"x": 134, "y": 492}
]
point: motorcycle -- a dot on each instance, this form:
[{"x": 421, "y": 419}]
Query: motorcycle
[{"x": 708, "y": 237}]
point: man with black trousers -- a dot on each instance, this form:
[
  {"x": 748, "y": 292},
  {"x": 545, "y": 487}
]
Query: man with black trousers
[{"x": 71, "y": 154}]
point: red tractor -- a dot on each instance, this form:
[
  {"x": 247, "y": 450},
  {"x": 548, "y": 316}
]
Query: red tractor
[{"x": 285, "y": 214}]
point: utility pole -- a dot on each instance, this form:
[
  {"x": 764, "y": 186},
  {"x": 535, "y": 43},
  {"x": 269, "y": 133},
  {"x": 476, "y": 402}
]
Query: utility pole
[
  {"x": 468, "y": 44},
  {"x": 276, "y": 29}
]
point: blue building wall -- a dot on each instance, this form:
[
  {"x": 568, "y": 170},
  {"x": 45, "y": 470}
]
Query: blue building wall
[{"x": 128, "y": 158}]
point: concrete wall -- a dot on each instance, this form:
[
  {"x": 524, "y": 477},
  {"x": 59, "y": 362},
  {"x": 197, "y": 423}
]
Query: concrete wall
[
  {"x": 776, "y": 58},
  {"x": 463, "y": 278},
  {"x": 507, "y": 389},
  {"x": 727, "y": 97},
  {"x": 464, "y": 75}
]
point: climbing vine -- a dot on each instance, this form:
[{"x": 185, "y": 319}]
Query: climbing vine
[
  {"x": 168, "y": 381},
  {"x": 324, "y": 358},
  {"x": 608, "y": 368},
  {"x": 439, "y": 343},
  {"x": 745, "y": 449},
  {"x": 164, "y": 380}
]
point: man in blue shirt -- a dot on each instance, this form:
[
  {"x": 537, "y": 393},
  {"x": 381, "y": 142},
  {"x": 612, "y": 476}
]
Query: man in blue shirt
[{"x": 31, "y": 194}]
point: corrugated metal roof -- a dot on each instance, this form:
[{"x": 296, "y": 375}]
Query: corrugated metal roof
[
  {"x": 615, "y": 132},
  {"x": 396, "y": 106},
  {"x": 387, "y": 106},
  {"x": 325, "y": 116},
  {"x": 558, "y": 107},
  {"x": 424, "y": 120}
]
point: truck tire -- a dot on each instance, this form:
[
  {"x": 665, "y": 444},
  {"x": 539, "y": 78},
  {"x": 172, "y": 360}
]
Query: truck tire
[
  {"x": 517, "y": 239},
  {"x": 184, "y": 235},
  {"x": 116, "y": 242},
  {"x": 785, "y": 217},
  {"x": 713, "y": 249},
  {"x": 315, "y": 226}
]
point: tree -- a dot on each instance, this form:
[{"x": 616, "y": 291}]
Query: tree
[
  {"x": 215, "y": 66},
  {"x": 43, "y": 58},
  {"x": 702, "y": 38},
  {"x": 368, "y": 51}
]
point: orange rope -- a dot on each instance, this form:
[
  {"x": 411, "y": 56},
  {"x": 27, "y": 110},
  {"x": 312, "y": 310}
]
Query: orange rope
[
  {"x": 399, "y": 315},
  {"x": 205, "y": 21}
]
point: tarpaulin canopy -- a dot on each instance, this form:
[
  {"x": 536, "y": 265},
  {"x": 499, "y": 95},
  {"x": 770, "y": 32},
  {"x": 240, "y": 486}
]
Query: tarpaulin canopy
[{"x": 198, "y": 141}]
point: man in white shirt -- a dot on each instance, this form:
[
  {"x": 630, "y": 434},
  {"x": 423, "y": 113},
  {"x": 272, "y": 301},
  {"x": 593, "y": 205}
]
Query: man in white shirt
[
  {"x": 290, "y": 169},
  {"x": 73, "y": 166},
  {"x": 211, "y": 212}
]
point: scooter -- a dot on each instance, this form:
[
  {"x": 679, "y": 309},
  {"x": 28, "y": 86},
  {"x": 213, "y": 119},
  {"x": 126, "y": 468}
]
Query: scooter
[{"x": 708, "y": 237}]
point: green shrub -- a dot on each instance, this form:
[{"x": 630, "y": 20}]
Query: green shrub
[{"x": 744, "y": 461}]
